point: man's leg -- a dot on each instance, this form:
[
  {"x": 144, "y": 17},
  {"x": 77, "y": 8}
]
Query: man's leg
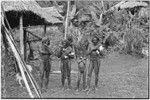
[
  {"x": 84, "y": 79},
  {"x": 63, "y": 76},
  {"x": 96, "y": 69},
  {"x": 69, "y": 73},
  {"x": 48, "y": 69},
  {"x": 42, "y": 72},
  {"x": 79, "y": 79},
  {"x": 90, "y": 69},
  {"x": 63, "y": 80},
  {"x": 47, "y": 79}
]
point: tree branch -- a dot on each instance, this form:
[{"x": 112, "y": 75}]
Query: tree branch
[{"x": 99, "y": 22}]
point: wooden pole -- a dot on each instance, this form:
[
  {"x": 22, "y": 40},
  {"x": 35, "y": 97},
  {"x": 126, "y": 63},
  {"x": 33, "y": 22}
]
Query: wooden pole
[
  {"x": 21, "y": 36},
  {"x": 18, "y": 58},
  {"x": 4, "y": 67},
  {"x": 44, "y": 29},
  {"x": 25, "y": 45},
  {"x": 12, "y": 44},
  {"x": 67, "y": 19}
]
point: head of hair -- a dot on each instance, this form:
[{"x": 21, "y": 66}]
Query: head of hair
[{"x": 95, "y": 40}]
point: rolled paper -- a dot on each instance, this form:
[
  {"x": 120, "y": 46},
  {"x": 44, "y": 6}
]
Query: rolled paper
[
  {"x": 101, "y": 48},
  {"x": 29, "y": 67},
  {"x": 65, "y": 57},
  {"x": 72, "y": 53},
  {"x": 97, "y": 51}
]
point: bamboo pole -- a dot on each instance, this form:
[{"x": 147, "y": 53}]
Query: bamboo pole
[
  {"x": 22, "y": 61},
  {"x": 3, "y": 68},
  {"x": 67, "y": 19},
  {"x": 18, "y": 58}
]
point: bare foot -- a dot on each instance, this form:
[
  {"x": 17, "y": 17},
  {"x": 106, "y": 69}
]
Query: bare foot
[
  {"x": 69, "y": 88},
  {"x": 87, "y": 89},
  {"x": 77, "y": 89}
]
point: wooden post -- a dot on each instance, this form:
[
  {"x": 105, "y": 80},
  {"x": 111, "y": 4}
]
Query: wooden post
[
  {"x": 25, "y": 45},
  {"x": 21, "y": 36},
  {"x": 44, "y": 30},
  {"x": 67, "y": 19},
  {"x": 20, "y": 64}
]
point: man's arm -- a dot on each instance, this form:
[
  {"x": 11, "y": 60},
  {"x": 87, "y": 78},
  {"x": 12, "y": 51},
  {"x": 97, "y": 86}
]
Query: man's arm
[
  {"x": 44, "y": 50},
  {"x": 89, "y": 49},
  {"x": 59, "y": 53},
  {"x": 40, "y": 49}
]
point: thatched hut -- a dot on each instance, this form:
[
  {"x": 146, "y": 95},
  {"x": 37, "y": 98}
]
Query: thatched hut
[
  {"x": 32, "y": 13},
  {"x": 28, "y": 13}
]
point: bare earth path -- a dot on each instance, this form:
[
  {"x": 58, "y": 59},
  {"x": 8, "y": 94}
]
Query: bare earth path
[{"x": 121, "y": 76}]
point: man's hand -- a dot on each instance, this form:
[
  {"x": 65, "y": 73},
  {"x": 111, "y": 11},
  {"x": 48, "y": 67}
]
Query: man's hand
[
  {"x": 65, "y": 56},
  {"x": 64, "y": 49},
  {"x": 72, "y": 53},
  {"x": 97, "y": 51},
  {"x": 101, "y": 48}
]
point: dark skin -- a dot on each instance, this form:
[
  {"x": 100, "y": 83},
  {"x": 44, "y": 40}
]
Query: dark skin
[
  {"x": 65, "y": 64},
  {"x": 93, "y": 52},
  {"x": 65, "y": 73},
  {"x": 81, "y": 71},
  {"x": 46, "y": 64}
]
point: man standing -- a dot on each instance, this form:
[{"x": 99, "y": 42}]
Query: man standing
[
  {"x": 45, "y": 61},
  {"x": 95, "y": 54},
  {"x": 66, "y": 54}
]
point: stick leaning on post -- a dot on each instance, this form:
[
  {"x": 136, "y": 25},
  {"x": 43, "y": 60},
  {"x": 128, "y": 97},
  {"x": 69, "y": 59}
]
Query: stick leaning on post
[
  {"x": 20, "y": 65},
  {"x": 20, "y": 60}
]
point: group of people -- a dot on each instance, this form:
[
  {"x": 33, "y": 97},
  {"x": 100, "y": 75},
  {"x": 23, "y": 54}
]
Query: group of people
[{"x": 66, "y": 54}]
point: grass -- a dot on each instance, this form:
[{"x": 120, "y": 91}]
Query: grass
[{"x": 121, "y": 76}]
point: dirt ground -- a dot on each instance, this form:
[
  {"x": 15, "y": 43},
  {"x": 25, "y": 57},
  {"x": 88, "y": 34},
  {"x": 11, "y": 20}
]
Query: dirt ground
[{"x": 121, "y": 76}]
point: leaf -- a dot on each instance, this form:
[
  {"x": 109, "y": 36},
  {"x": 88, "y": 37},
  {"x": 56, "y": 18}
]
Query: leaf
[
  {"x": 72, "y": 14},
  {"x": 79, "y": 35},
  {"x": 57, "y": 7},
  {"x": 94, "y": 15},
  {"x": 99, "y": 21}
]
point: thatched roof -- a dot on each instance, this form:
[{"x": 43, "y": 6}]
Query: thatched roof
[
  {"x": 132, "y": 4},
  {"x": 45, "y": 3},
  {"x": 49, "y": 13}
]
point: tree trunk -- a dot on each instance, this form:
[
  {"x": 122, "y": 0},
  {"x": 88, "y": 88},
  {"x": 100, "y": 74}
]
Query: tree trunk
[
  {"x": 109, "y": 10},
  {"x": 20, "y": 62},
  {"x": 67, "y": 19}
]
